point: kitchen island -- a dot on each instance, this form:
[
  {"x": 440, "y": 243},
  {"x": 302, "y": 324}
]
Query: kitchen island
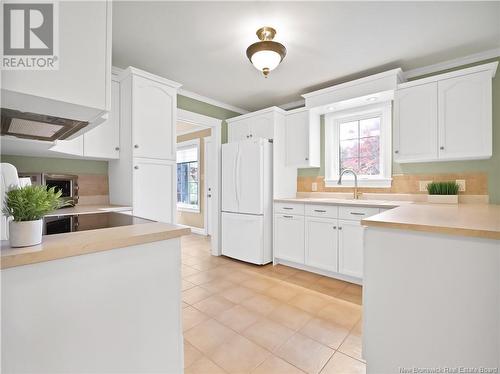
[
  {"x": 431, "y": 294},
  {"x": 106, "y": 300}
]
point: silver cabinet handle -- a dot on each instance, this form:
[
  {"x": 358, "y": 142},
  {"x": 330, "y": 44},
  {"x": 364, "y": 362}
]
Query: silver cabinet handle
[
  {"x": 357, "y": 214},
  {"x": 287, "y": 216},
  {"x": 136, "y": 167},
  {"x": 335, "y": 227},
  {"x": 396, "y": 151},
  {"x": 287, "y": 208},
  {"x": 340, "y": 228},
  {"x": 307, "y": 158},
  {"x": 117, "y": 148},
  {"x": 320, "y": 210},
  {"x": 441, "y": 148},
  {"x": 136, "y": 146}
]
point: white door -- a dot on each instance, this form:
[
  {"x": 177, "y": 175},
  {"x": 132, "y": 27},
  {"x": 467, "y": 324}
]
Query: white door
[
  {"x": 229, "y": 185},
  {"x": 262, "y": 126},
  {"x": 104, "y": 140},
  {"x": 250, "y": 177},
  {"x": 238, "y": 131},
  {"x": 153, "y": 119},
  {"x": 351, "y": 234},
  {"x": 154, "y": 189},
  {"x": 289, "y": 237},
  {"x": 210, "y": 160},
  {"x": 297, "y": 138},
  {"x": 321, "y": 238},
  {"x": 415, "y": 124},
  {"x": 243, "y": 237},
  {"x": 465, "y": 122}
]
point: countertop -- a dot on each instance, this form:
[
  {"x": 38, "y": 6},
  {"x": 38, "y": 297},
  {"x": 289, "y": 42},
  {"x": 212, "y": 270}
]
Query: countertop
[
  {"x": 474, "y": 220},
  {"x": 60, "y": 246},
  {"x": 340, "y": 201},
  {"x": 88, "y": 209}
]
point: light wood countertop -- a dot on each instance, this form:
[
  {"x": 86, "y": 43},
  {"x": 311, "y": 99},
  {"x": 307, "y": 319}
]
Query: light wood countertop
[
  {"x": 475, "y": 220},
  {"x": 340, "y": 201},
  {"x": 60, "y": 246},
  {"x": 88, "y": 209}
]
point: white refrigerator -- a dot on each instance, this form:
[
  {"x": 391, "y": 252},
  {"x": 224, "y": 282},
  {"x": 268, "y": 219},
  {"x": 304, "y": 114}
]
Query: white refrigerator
[{"x": 247, "y": 190}]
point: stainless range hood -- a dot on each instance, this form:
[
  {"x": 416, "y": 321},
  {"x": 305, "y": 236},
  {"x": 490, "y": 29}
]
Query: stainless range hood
[{"x": 35, "y": 126}]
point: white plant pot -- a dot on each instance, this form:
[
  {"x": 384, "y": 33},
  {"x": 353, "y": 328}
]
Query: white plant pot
[
  {"x": 25, "y": 234},
  {"x": 443, "y": 199}
]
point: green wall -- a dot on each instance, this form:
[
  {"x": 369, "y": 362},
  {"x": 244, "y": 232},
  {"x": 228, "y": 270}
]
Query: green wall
[
  {"x": 491, "y": 166},
  {"x": 56, "y": 165},
  {"x": 200, "y": 107}
]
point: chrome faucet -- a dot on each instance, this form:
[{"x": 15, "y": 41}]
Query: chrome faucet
[{"x": 355, "y": 181}]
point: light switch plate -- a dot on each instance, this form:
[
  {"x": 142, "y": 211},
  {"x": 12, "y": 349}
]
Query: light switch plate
[
  {"x": 423, "y": 185},
  {"x": 314, "y": 186},
  {"x": 461, "y": 184}
]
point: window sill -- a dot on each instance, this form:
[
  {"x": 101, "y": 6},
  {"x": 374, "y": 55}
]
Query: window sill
[
  {"x": 188, "y": 208},
  {"x": 365, "y": 183}
]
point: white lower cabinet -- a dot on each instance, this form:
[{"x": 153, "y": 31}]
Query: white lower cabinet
[
  {"x": 350, "y": 244},
  {"x": 289, "y": 237},
  {"x": 154, "y": 189},
  {"x": 321, "y": 245}
]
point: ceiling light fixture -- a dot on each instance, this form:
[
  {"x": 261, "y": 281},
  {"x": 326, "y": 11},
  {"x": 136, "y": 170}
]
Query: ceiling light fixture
[{"x": 266, "y": 55}]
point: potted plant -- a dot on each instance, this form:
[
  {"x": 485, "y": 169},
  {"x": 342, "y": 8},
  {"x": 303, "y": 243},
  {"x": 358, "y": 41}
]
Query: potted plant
[
  {"x": 27, "y": 205},
  {"x": 443, "y": 192}
]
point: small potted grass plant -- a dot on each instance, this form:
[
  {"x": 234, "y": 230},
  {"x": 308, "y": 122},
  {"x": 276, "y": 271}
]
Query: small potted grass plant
[
  {"x": 443, "y": 192},
  {"x": 27, "y": 206}
]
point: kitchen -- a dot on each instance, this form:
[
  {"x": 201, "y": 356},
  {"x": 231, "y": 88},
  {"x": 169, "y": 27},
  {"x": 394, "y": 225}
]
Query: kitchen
[{"x": 329, "y": 202}]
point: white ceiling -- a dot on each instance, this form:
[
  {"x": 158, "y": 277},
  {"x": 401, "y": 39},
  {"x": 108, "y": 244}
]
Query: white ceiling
[{"x": 202, "y": 44}]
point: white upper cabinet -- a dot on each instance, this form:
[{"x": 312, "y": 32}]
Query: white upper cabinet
[
  {"x": 80, "y": 88},
  {"x": 153, "y": 118},
  {"x": 445, "y": 117},
  {"x": 302, "y": 139},
  {"x": 415, "y": 123},
  {"x": 260, "y": 124},
  {"x": 104, "y": 140},
  {"x": 465, "y": 110}
]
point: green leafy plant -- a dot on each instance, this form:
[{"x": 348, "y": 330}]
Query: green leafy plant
[
  {"x": 31, "y": 203},
  {"x": 443, "y": 188}
]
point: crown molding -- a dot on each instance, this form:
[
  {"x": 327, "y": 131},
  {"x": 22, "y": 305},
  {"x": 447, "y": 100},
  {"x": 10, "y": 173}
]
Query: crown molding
[
  {"x": 293, "y": 105},
  {"x": 451, "y": 64},
  {"x": 272, "y": 109},
  {"x": 210, "y": 101}
]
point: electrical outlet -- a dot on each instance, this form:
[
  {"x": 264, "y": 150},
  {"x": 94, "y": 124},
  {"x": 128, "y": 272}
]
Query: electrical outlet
[
  {"x": 314, "y": 186},
  {"x": 461, "y": 184},
  {"x": 423, "y": 185}
]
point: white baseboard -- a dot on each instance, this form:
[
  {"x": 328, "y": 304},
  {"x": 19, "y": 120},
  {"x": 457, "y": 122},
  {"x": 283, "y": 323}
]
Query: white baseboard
[{"x": 198, "y": 230}]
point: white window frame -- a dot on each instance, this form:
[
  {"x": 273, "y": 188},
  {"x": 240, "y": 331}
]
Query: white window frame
[
  {"x": 190, "y": 207},
  {"x": 332, "y": 144}
]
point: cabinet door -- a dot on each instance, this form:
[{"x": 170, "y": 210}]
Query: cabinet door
[
  {"x": 154, "y": 189},
  {"x": 321, "y": 246},
  {"x": 70, "y": 147},
  {"x": 297, "y": 138},
  {"x": 289, "y": 237},
  {"x": 104, "y": 140},
  {"x": 415, "y": 124},
  {"x": 351, "y": 234},
  {"x": 238, "y": 131},
  {"x": 153, "y": 119},
  {"x": 262, "y": 126},
  {"x": 465, "y": 110}
]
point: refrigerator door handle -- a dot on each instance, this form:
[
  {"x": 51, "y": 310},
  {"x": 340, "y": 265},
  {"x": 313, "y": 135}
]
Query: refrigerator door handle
[{"x": 237, "y": 176}]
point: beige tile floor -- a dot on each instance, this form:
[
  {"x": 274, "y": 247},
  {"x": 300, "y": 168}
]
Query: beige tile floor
[{"x": 241, "y": 318}]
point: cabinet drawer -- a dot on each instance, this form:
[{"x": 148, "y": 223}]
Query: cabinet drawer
[
  {"x": 356, "y": 213},
  {"x": 289, "y": 208},
  {"x": 327, "y": 211}
]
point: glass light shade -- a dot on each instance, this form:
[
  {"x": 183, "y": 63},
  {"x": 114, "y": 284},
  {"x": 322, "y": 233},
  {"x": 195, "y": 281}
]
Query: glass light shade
[{"x": 266, "y": 59}]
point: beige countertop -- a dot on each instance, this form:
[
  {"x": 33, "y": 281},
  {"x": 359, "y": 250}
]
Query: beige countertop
[
  {"x": 340, "y": 201},
  {"x": 60, "y": 246},
  {"x": 88, "y": 209},
  {"x": 475, "y": 220}
]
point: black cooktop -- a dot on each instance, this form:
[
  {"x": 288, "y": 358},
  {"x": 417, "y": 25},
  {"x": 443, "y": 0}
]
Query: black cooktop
[{"x": 92, "y": 221}]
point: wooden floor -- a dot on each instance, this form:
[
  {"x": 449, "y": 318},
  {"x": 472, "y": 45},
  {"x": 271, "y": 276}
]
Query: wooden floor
[{"x": 241, "y": 318}]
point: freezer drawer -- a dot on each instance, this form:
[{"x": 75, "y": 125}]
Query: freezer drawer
[{"x": 243, "y": 237}]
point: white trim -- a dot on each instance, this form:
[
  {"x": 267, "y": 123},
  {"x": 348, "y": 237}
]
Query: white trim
[
  {"x": 332, "y": 120},
  {"x": 197, "y": 119},
  {"x": 198, "y": 230},
  {"x": 182, "y": 207},
  {"x": 293, "y": 105},
  {"x": 389, "y": 73},
  {"x": 451, "y": 64},
  {"x": 156, "y": 78},
  {"x": 210, "y": 101},
  {"x": 206, "y": 140},
  {"x": 490, "y": 67},
  {"x": 273, "y": 109},
  {"x": 188, "y": 208},
  {"x": 191, "y": 131}
]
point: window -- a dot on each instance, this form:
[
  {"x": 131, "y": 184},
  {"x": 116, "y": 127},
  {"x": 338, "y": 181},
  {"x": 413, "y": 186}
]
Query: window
[
  {"x": 188, "y": 176},
  {"x": 359, "y": 139}
]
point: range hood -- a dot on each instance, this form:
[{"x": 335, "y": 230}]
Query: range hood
[{"x": 36, "y": 126}]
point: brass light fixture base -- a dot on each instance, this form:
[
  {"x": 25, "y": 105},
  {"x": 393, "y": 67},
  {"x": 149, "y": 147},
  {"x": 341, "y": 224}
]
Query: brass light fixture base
[{"x": 266, "y": 33}]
